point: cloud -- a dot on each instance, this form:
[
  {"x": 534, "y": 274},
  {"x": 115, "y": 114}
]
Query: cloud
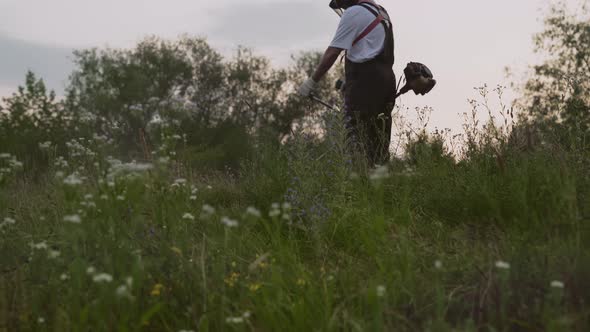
[
  {"x": 276, "y": 25},
  {"x": 53, "y": 64}
]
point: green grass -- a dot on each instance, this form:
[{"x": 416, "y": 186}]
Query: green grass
[{"x": 415, "y": 250}]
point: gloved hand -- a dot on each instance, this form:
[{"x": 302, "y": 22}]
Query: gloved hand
[{"x": 307, "y": 87}]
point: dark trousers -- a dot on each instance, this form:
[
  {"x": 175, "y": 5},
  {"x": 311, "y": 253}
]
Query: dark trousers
[
  {"x": 369, "y": 96},
  {"x": 371, "y": 134}
]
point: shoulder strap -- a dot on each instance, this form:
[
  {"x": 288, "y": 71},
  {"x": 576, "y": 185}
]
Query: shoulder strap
[
  {"x": 378, "y": 19},
  {"x": 373, "y": 8}
]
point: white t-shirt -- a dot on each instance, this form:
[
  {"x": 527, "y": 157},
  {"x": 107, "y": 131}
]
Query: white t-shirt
[{"x": 352, "y": 23}]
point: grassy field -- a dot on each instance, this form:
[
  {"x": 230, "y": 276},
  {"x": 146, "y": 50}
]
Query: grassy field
[{"x": 301, "y": 238}]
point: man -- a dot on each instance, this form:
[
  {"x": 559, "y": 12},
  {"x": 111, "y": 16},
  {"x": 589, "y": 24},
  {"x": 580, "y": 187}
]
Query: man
[{"x": 365, "y": 34}]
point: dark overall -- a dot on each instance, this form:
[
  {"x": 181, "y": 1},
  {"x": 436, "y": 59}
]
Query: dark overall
[{"x": 369, "y": 96}]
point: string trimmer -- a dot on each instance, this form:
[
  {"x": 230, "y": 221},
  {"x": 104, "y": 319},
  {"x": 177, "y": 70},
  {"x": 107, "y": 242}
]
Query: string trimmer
[{"x": 418, "y": 77}]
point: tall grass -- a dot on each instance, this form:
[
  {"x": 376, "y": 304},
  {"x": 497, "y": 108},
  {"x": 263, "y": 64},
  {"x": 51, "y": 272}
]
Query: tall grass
[{"x": 302, "y": 237}]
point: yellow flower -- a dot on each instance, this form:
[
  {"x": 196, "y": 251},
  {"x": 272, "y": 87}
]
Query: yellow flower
[
  {"x": 301, "y": 282},
  {"x": 176, "y": 251},
  {"x": 232, "y": 279},
  {"x": 254, "y": 287},
  {"x": 157, "y": 290}
]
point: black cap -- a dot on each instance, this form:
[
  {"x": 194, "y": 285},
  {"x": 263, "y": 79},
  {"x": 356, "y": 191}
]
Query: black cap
[{"x": 341, "y": 4}]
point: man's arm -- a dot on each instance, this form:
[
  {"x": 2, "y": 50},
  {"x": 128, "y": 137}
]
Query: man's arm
[{"x": 327, "y": 61}]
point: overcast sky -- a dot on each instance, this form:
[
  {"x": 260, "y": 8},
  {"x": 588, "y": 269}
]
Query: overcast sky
[{"x": 466, "y": 43}]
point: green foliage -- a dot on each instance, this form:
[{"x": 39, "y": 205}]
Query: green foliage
[
  {"x": 556, "y": 98},
  {"x": 558, "y": 93},
  {"x": 33, "y": 123},
  {"x": 421, "y": 243},
  {"x": 141, "y": 97},
  {"x": 186, "y": 81},
  {"x": 249, "y": 210}
]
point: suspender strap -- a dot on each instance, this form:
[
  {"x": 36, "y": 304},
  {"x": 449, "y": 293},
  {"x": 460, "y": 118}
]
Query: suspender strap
[
  {"x": 368, "y": 30},
  {"x": 371, "y": 26}
]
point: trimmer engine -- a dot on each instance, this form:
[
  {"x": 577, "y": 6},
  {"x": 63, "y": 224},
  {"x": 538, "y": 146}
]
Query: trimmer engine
[{"x": 418, "y": 79}]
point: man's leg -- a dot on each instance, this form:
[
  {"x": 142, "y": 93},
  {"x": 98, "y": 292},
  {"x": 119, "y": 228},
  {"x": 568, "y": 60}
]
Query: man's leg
[
  {"x": 378, "y": 138},
  {"x": 384, "y": 132}
]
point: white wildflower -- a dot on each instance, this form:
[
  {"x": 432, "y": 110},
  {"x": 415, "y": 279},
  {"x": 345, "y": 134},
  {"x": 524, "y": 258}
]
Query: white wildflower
[
  {"x": 132, "y": 167},
  {"x": 39, "y": 246},
  {"x": 379, "y": 173},
  {"x": 188, "y": 216},
  {"x": 45, "y": 145},
  {"x": 64, "y": 277},
  {"x": 5, "y": 155},
  {"x": 104, "y": 197},
  {"x": 234, "y": 320},
  {"x": 229, "y": 222},
  {"x": 438, "y": 264},
  {"x": 239, "y": 319},
  {"x": 274, "y": 213},
  {"x": 53, "y": 254},
  {"x": 102, "y": 277},
  {"x": 41, "y": 320},
  {"x": 90, "y": 270},
  {"x": 100, "y": 138},
  {"x": 120, "y": 197},
  {"x": 409, "y": 171},
  {"x": 61, "y": 162},
  {"x": 15, "y": 164},
  {"x": 252, "y": 211},
  {"x": 207, "y": 211},
  {"x": 88, "y": 204},
  {"x": 123, "y": 291},
  {"x": 557, "y": 284},
  {"x": 73, "y": 218},
  {"x": 193, "y": 198},
  {"x": 209, "y": 187},
  {"x": 502, "y": 265},
  {"x": 381, "y": 290},
  {"x": 88, "y": 197},
  {"x": 286, "y": 206},
  {"x": 275, "y": 206},
  {"x": 73, "y": 180},
  {"x": 9, "y": 221}
]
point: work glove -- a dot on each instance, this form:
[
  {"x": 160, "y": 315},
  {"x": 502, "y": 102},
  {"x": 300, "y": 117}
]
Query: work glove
[{"x": 307, "y": 87}]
